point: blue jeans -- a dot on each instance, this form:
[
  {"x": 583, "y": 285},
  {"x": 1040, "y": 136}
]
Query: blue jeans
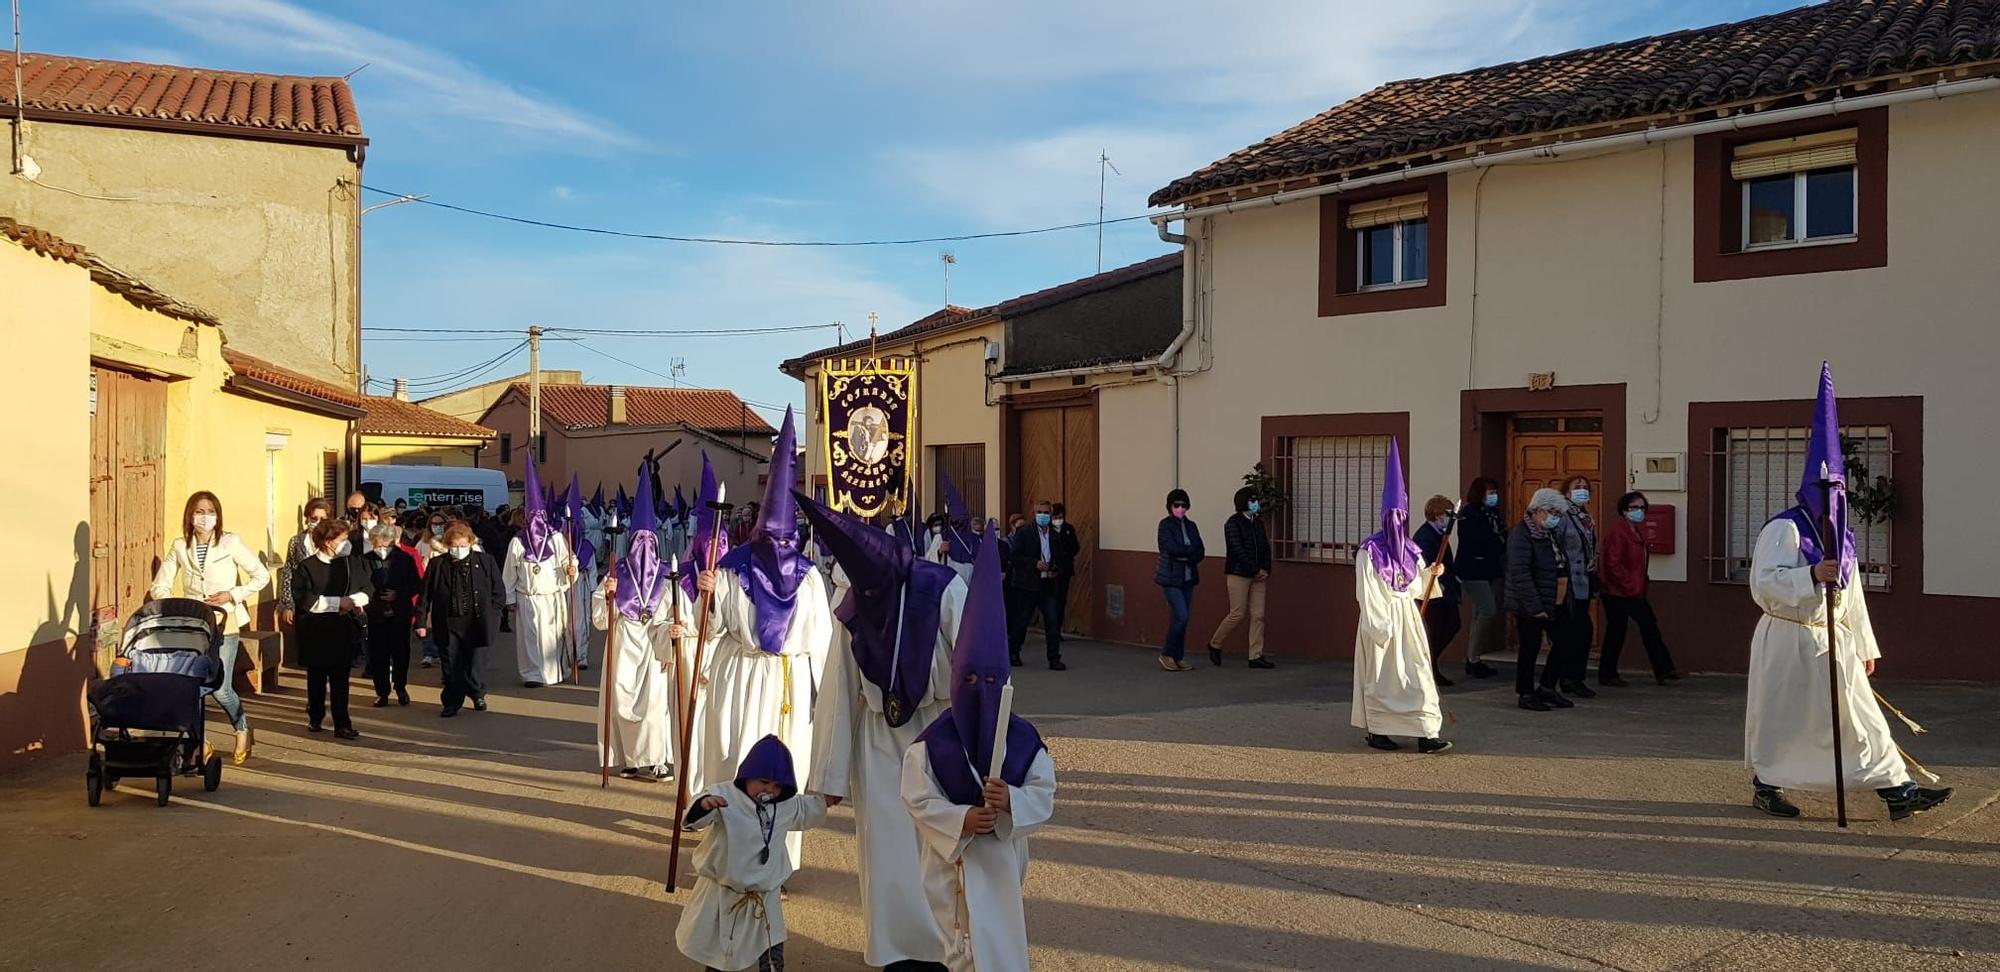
[
  {"x": 1179, "y": 599},
  {"x": 232, "y": 706}
]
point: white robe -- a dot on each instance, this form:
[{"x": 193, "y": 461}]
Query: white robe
[
  {"x": 974, "y": 883},
  {"x": 719, "y": 925},
  {"x": 752, "y": 694},
  {"x": 640, "y": 675},
  {"x": 1787, "y": 728},
  {"x": 540, "y": 589},
  {"x": 1394, "y": 694},
  {"x": 859, "y": 758},
  {"x": 580, "y": 594}
]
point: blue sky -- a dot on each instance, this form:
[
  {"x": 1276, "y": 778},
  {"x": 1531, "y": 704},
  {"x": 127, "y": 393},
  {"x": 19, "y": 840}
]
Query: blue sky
[{"x": 864, "y": 120}]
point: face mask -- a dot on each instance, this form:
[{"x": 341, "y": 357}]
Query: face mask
[
  {"x": 1579, "y": 496},
  {"x": 437, "y": 529},
  {"x": 1492, "y": 499},
  {"x": 460, "y": 553},
  {"x": 1255, "y": 507},
  {"x": 1637, "y": 514},
  {"x": 382, "y": 552},
  {"x": 1179, "y": 512},
  {"x": 369, "y": 524},
  {"x": 1058, "y": 522},
  {"x": 1042, "y": 519},
  {"x": 1441, "y": 524},
  {"x": 204, "y": 522},
  {"x": 344, "y": 549},
  {"x": 1551, "y": 521}
]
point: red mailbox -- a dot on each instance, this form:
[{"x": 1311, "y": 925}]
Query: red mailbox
[{"x": 1658, "y": 529}]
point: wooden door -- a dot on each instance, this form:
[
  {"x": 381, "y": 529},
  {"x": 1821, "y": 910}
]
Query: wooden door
[
  {"x": 1058, "y": 450},
  {"x": 1543, "y": 451},
  {"x": 128, "y": 449},
  {"x": 966, "y": 465}
]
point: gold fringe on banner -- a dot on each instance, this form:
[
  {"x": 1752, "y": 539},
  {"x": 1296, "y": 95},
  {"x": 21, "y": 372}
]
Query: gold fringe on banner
[{"x": 1898, "y": 713}]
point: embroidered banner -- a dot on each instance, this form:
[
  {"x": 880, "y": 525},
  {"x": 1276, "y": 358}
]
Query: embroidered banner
[{"x": 868, "y": 410}]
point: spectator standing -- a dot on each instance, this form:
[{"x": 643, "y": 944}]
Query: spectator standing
[
  {"x": 1536, "y": 595},
  {"x": 1068, "y": 545},
  {"x": 330, "y": 590},
  {"x": 1031, "y": 576},
  {"x": 1480, "y": 565},
  {"x": 464, "y": 594},
  {"x": 1177, "y": 573},
  {"x": 1578, "y": 535},
  {"x": 394, "y": 578},
  {"x": 1441, "y": 620},
  {"x": 1246, "y": 567},
  {"x": 1625, "y": 588},
  {"x": 219, "y": 569}
]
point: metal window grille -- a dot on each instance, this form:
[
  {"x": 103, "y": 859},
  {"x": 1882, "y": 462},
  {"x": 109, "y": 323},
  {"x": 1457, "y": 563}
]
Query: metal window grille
[
  {"x": 1760, "y": 468},
  {"x": 1333, "y": 485}
]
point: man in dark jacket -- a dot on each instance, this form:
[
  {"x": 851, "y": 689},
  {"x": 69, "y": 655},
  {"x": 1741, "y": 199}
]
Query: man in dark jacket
[
  {"x": 463, "y": 598},
  {"x": 1246, "y": 566},
  {"x": 1035, "y": 585}
]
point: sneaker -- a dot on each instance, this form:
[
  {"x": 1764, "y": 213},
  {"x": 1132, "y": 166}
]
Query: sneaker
[
  {"x": 1438, "y": 678},
  {"x": 1262, "y": 663},
  {"x": 1554, "y": 699},
  {"x": 479, "y": 704},
  {"x": 1910, "y": 800},
  {"x": 1534, "y": 703},
  {"x": 1772, "y": 801},
  {"x": 1433, "y": 745},
  {"x": 428, "y": 662},
  {"x": 1381, "y": 742},
  {"x": 1579, "y": 690},
  {"x": 1480, "y": 670}
]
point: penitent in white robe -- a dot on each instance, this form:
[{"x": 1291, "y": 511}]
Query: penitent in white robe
[
  {"x": 752, "y": 694},
  {"x": 736, "y": 913},
  {"x": 974, "y": 883},
  {"x": 580, "y": 594},
  {"x": 539, "y": 590},
  {"x": 1788, "y": 726},
  {"x": 859, "y": 758},
  {"x": 1394, "y": 694},
  {"x": 641, "y": 680}
]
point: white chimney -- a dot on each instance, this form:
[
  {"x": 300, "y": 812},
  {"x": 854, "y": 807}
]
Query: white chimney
[
  {"x": 617, "y": 404},
  {"x": 402, "y": 389}
]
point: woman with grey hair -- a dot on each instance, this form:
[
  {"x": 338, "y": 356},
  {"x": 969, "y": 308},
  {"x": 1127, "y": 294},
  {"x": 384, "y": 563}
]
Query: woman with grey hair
[
  {"x": 1537, "y": 593},
  {"x": 394, "y": 575}
]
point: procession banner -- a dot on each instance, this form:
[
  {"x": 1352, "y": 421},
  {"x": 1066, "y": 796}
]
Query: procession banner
[{"x": 870, "y": 412}]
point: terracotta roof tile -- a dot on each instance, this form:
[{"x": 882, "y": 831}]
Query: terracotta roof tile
[
  {"x": 1781, "y": 54},
  {"x": 393, "y": 416},
  {"x": 110, "y": 278},
  {"x": 249, "y": 366},
  {"x": 319, "y": 109},
  {"x": 589, "y": 406},
  {"x": 943, "y": 319}
]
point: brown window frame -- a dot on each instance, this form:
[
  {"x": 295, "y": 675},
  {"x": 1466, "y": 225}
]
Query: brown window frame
[
  {"x": 1279, "y": 430},
  {"x": 1340, "y": 293},
  {"x": 1718, "y": 204}
]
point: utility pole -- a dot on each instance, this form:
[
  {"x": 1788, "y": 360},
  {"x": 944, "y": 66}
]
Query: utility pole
[
  {"x": 1103, "y": 163},
  {"x": 534, "y": 389}
]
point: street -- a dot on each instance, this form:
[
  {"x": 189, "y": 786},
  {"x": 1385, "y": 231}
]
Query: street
[{"x": 1217, "y": 819}]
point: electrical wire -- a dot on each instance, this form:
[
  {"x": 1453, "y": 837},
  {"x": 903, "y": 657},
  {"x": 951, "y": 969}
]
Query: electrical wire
[
  {"x": 747, "y": 401},
  {"x": 604, "y": 331},
  {"x": 730, "y": 241},
  {"x": 461, "y": 374}
]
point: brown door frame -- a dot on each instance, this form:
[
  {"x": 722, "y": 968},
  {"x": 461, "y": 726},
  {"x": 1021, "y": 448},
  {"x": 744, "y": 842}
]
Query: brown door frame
[
  {"x": 1483, "y": 415},
  {"x": 1011, "y": 408}
]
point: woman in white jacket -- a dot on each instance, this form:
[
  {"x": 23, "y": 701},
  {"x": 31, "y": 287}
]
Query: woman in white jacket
[{"x": 218, "y": 568}]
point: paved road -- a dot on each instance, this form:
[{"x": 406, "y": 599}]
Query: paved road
[{"x": 1217, "y": 819}]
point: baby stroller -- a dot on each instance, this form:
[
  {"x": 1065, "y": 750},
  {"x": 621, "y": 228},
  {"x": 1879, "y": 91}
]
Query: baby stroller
[{"x": 146, "y": 719}]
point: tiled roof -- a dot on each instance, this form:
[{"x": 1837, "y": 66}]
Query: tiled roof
[
  {"x": 942, "y": 319},
  {"x": 259, "y": 370},
  {"x": 1166, "y": 263},
  {"x": 589, "y": 406},
  {"x": 1781, "y": 54},
  {"x": 110, "y": 278},
  {"x": 393, "y": 416},
  {"x": 283, "y": 107}
]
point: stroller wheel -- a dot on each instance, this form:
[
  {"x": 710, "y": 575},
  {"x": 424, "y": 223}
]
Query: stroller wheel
[
  {"x": 163, "y": 788},
  {"x": 211, "y": 773}
]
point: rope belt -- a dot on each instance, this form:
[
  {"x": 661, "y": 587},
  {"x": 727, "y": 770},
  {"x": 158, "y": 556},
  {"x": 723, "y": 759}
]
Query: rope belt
[
  {"x": 785, "y": 707},
  {"x": 752, "y": 902}
]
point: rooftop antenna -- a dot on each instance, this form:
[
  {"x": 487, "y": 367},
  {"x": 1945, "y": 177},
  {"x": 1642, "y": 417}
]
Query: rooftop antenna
[
  {"x": 678, "y": 368},
  {"x": 1103, "y": 163},
  {"x": 949, "y": 261}
]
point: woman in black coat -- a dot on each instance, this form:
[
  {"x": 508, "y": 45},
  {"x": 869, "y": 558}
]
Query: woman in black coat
[
  {"x": 393, "y": 575},
  {"x": 463, "y": 599},
  {"x": 330, "y": 592},
  {"x": 1537, "y": 576},
  {"x": 1177, "y": 573}
]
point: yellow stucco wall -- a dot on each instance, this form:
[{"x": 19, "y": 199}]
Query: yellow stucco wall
[
  {"x": 389, "y": 450},
  {"x": 249, "y": 231}
]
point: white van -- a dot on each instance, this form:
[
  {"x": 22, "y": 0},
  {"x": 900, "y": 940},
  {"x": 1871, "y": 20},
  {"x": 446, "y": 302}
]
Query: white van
[{"x": 435, "y": 486}]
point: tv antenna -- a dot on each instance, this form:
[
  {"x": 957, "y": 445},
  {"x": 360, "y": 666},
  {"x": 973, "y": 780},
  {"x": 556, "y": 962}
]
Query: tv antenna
[
  {"x": 677, "y": 368},
  {"x": 949, "y": 261},
  {"x": 1103, "y": 163}
]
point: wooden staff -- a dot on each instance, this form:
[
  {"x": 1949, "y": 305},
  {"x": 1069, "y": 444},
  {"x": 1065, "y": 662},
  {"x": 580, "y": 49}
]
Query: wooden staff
[
  {"x": 1834, "y": 542},
  {"x": 701, "y": 606},
  {"x": 1430, "y": 586},
  {"x": 604, "y": 687}
]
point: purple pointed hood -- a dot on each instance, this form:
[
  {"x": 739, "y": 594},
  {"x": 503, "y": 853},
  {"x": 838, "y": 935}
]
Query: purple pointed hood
[
  {"x": 622, "y": 504},
  {"x": 680, "y": 504},
  {"x": 959, "y": 745},
  {"x": 892, "y": 606},
  {"x": 1396, "y": 557},
  {"x": 597, "y": 502},
  {"x": 961, "y": 538},
  {"x": 579, "y": 541},
  {"x": 695, "y": 559},
  {"x": 769, "y": 760},
  {"x": 536, "y": 531},
  {"x": 641, "y": 576},
  {"x": 772, "y": 565},
  {"x": 1824, "y": 463}
]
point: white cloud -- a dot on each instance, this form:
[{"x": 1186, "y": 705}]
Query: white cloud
[
  {"x": 562, "y": 193},
  {"x": 423, "y": 81},
  {"x": 1050, "y": 179}
]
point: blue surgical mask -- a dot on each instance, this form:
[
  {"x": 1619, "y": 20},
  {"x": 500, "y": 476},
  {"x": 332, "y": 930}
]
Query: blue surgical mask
[
  {"x": 1492, "y": 499},
  {"x": 1255, "y": 507},
  {"x": 1552, "y": 520},
  {"x": 1636, "y": 514},
  {"x": 1042, "y": 519},
  {"x": 1579, "y": 496}
]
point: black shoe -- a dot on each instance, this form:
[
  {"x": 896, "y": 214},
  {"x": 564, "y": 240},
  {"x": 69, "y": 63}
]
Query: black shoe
[
  {"x": 1534, "y": 703},
  {"x": 531, "y": 684},
  {"x": 381, "y": 701},
  {"x": 479, "y": 704},
  {"x": 1433, "y": 745},
  {"x": 402, "y": 697},
  {"x": 629, "y": 772},
  {"x": 1668, "y": 677},
  {"x": 583, "y": 666},
  {"x": 1773, "y": 802},
  {"x": 1381, "y": 742},
  {"x": 1579, "y": 690},
  {"x": 315, "y": 727},
  {"x": 348, "y": 733},
  {"x": 1914, "y": 800},
  {"x": 1438, "y": 678},
  {"x": 447, "y": 713},
  {"x": 1613, "y": 681},
  {"x": 1215, "y": 657},
  {"x": 1261, "y": 663},
  {"x": 1554, "y": 699},
  {"x": 1480, "y": 670},
  {"x": 1014, "y": 661},
  {"x": 1056, "y": 665}
]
